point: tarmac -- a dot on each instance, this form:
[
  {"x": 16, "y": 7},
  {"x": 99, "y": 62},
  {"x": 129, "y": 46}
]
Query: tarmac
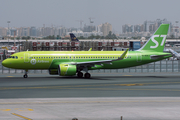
[{"x": 130, "y": 96}]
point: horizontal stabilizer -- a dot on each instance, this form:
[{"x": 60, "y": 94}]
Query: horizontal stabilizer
[
  {"x": 154, "y": 57},
  {"x": 174, "y": 53}
]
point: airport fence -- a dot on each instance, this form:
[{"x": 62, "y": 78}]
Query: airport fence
[{"x": 155, "y": 67}]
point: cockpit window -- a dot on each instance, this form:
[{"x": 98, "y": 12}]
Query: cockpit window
[{"x": 14, "y": 57}]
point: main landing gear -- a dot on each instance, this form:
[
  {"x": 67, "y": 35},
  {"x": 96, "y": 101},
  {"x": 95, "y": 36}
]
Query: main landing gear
[
  {"x": 80, "y": 74},
  {"x": 86, "y": 75},
  {"x": 25, "y": 75}
]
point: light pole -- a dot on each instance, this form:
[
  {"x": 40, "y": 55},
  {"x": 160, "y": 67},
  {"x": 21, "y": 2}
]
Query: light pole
[{"x": 8, "y": 32}]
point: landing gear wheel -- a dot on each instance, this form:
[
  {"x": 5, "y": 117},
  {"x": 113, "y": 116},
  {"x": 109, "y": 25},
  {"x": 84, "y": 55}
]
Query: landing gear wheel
[
  {"x": 80, "y": 74},
  {"x": 25, "y": 76},
  {"x": 87, "y": 75}
]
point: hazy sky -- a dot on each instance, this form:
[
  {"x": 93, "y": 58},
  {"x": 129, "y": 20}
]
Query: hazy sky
[{"x": 27, "y": 13}]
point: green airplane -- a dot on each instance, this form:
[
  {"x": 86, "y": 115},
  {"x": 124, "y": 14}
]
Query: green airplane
[{"x": 69, "y": 63}]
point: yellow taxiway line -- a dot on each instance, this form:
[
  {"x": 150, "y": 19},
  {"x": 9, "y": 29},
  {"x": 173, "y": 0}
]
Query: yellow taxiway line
[{"x": 21, "y": 116}]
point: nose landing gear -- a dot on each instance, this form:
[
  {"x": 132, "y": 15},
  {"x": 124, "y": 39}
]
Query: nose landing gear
[{"x": 25, "y": 75}]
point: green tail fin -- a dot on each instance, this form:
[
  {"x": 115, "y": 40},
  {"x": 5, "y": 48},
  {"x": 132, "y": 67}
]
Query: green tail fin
[{"x": 157, "y": 41}]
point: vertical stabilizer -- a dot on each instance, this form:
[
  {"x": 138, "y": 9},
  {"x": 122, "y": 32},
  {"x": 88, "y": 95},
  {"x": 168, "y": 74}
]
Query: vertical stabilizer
[
  {"x": 157, "y": 40},
  {"x": 73, "y": 37}
]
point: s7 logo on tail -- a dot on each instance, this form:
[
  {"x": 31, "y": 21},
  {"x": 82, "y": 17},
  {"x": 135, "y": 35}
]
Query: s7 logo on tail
[{"x": 156, "y": 42}]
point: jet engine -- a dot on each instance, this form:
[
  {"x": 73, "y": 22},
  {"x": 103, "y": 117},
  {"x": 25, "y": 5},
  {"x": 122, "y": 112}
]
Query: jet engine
[{"x": 67, "y": 70}]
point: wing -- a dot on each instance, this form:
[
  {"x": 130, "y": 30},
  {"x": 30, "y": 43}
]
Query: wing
[{"x": 99, "y": 62}]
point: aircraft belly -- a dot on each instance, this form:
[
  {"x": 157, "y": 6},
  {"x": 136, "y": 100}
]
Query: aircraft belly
[{"x": 36, "y": 66}]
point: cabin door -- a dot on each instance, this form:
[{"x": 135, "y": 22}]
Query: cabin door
[
  {"x": 26, "y": 57},
  {"x": 139, "y": 57},
  {"x": 73, "y": 58}
]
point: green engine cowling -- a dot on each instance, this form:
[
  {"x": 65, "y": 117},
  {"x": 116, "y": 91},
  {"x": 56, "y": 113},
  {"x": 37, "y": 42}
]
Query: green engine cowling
[{"x": 67, "y": 70}]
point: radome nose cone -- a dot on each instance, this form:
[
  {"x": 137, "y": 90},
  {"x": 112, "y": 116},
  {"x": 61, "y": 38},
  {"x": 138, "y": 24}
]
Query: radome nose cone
[{"x": 4, "y": 63}]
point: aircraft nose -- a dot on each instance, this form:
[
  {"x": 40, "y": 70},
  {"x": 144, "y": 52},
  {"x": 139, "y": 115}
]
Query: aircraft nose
[{"x": 4, "y": 63}]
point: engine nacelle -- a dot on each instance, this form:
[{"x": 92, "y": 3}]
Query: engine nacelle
[
  {"x": 53, "y": 71},
  {"x": 67, "y": 70}
]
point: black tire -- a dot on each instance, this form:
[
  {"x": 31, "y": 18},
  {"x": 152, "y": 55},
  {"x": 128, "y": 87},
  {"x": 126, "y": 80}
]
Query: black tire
[
  {"x": 87, "y": 75},
  {"x": 25, "y": 76},
  {"x": 80, "y": 74}
]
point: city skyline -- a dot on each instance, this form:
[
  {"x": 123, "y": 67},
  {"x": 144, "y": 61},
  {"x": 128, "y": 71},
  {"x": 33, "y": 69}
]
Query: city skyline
[
  {"x": 144, "y": 29},
  {"x": 69, "y": 13}
]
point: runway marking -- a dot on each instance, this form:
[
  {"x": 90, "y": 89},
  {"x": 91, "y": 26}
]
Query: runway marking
[
  {"x": 10, "y": 76},
  {"x": 23, "y": 109},
  {"x": 21, "y": 116},
  {"x": 5, "y": 109},
  {"x": 17, "y": 109},
  {"x": 127, "y": 75}
]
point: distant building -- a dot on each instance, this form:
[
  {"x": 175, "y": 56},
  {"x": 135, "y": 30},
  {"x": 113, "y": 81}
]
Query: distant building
[
  {"x": 139, "y": 28},
  {"x": 13, "y": 32},
  {"x": 89, "y": 28},
  {"x": 23, "y": 31},
  {"x": 33, "y": 31},
  {"x": 106, "y": 28},
  {"x": 152, "y": 26},
  {"x": 127, "y": 28},
  {"x": 146, "y": 29},
  {"x": 99, "y": 28},
  {"x": 3, "y": 31},
  {"x": 62, "y": 31},
  {"x": 147, "y": 25}
]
